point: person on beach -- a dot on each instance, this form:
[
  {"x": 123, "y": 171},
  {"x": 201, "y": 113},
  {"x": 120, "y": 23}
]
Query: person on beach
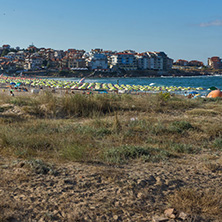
[{"x": 11, "y": 93}]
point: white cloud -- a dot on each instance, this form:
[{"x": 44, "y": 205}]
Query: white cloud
[{"x": 212, "y": 23}]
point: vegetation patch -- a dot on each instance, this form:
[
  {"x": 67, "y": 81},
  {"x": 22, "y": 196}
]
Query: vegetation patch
[
  {"x": 217, "y": 143},
  {"x": 192, "y": 201},
  {"x": 123, "y": 153},
  {"x": 180, "y": 126}
]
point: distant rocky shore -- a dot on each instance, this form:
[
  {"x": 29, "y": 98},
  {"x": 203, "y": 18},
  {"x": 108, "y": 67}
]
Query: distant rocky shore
[{"x": 123, "y": 73}]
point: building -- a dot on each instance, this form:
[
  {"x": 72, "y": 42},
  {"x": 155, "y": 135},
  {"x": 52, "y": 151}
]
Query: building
[
  {"x": 97, "y": 61},
  {"x": 6, "y": 47},
  {"x": 32, "y": 49},
  {"x": 167, "y": 62},
  {"x": 33, "y": 62},
  {"x": 195, "y": 63},
  {"x": 76, "y": 63},
  {"x": 154, "y": 61},
  {"x": 20, "y": 55},
  {"x": 215, "y": 62},
  {"x": 59, "y": 54},
  {"x": 125, "y": 61},
  {"x": 8, "y": 66},
  {"x": 19, "y": 63},
  {"x": 181, "y": 62},
  {"x": 142, "y": 61}
]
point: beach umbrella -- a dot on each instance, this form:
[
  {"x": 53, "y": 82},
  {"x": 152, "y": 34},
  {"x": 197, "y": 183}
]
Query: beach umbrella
[
  {"x": 213, "y": 88},
  {"x": 12, "y": 83},
  {"x": 193, "y": 92}
]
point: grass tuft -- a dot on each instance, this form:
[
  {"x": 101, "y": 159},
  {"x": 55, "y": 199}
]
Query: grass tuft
[
  {"x": 197, "y": 202},
  {"x": 124, "y": 153},
  {"x": 180, "y": 126}
]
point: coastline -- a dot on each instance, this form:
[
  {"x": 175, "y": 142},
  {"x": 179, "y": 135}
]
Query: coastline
[{"x": 122, "y": 74}]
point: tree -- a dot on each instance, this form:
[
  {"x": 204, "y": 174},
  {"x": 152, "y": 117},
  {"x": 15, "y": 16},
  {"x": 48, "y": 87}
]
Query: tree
[{"x": 5, "y": 52}]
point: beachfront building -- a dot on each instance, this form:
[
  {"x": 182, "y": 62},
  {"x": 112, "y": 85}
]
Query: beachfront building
[
  {"x": 71, "y": 59},
  {"x": 167, "y": 62},
  {"x": 97, "y": 61},
  {"x": 142, "y": 61},
  {"x": 154, "y": 61},
  {"x": 195, "y": 63},
  {"x": 123, "y": 60},
  {"x": 215, "y": 62},
  {"x": 149, "y": 61},
  {"x": 76, "y": 62},
  {"x": 71, "y": 62},
  {"x": 181, "y": 62}
]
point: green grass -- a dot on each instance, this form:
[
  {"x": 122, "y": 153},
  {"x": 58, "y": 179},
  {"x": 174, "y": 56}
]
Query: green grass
[
  {"x": 180, "y": 126},
  {"x": 124, "y": 153},
  {"x": 217, "y": 143}
]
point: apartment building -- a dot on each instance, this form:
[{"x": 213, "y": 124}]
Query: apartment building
[
  {"x": 33, "y": 62},
  {"x": 181, "y": 62},
  {"x": 154, "y": 61},
  {"x": 125, "y": 61},
  {"x": 97, "y": 60},
  {"x": 215, "y": 62},
  {"x": 195, "y": 63}
]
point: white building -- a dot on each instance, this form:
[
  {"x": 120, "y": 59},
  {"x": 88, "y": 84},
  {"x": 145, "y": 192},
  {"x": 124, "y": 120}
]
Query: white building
[
  {"x": 126, "y": 61},
  {"x": 98, "y": 61},
  {"x": 143, "y": 61}
]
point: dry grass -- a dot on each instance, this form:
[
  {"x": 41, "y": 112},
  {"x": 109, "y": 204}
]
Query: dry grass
[
  {"x": 110, "y": 128},
  {"x": 208, "y": 202}
]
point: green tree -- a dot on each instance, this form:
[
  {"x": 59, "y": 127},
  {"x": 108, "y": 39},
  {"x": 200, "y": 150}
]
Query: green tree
[{"x": 5, "y": 52}]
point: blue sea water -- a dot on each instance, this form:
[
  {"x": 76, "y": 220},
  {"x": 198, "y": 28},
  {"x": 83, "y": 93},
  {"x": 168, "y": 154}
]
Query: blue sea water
[{"x": 203, "y": 81}]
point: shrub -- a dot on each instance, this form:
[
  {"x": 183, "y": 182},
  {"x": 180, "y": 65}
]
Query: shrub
[{"x": 164, "y": 96}]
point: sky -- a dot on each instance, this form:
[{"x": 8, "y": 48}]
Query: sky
[{"x": 183, "y": 29}]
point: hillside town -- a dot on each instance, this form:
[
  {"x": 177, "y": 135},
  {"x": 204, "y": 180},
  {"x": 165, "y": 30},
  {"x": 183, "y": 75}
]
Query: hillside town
[{"x": 16, "y": 60}]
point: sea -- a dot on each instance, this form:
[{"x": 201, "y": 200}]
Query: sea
[{"x": 202, "y": 81}]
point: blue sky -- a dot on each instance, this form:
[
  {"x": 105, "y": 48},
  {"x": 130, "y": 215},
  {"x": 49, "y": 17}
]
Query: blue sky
[{"x": 190, "y": 29}]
